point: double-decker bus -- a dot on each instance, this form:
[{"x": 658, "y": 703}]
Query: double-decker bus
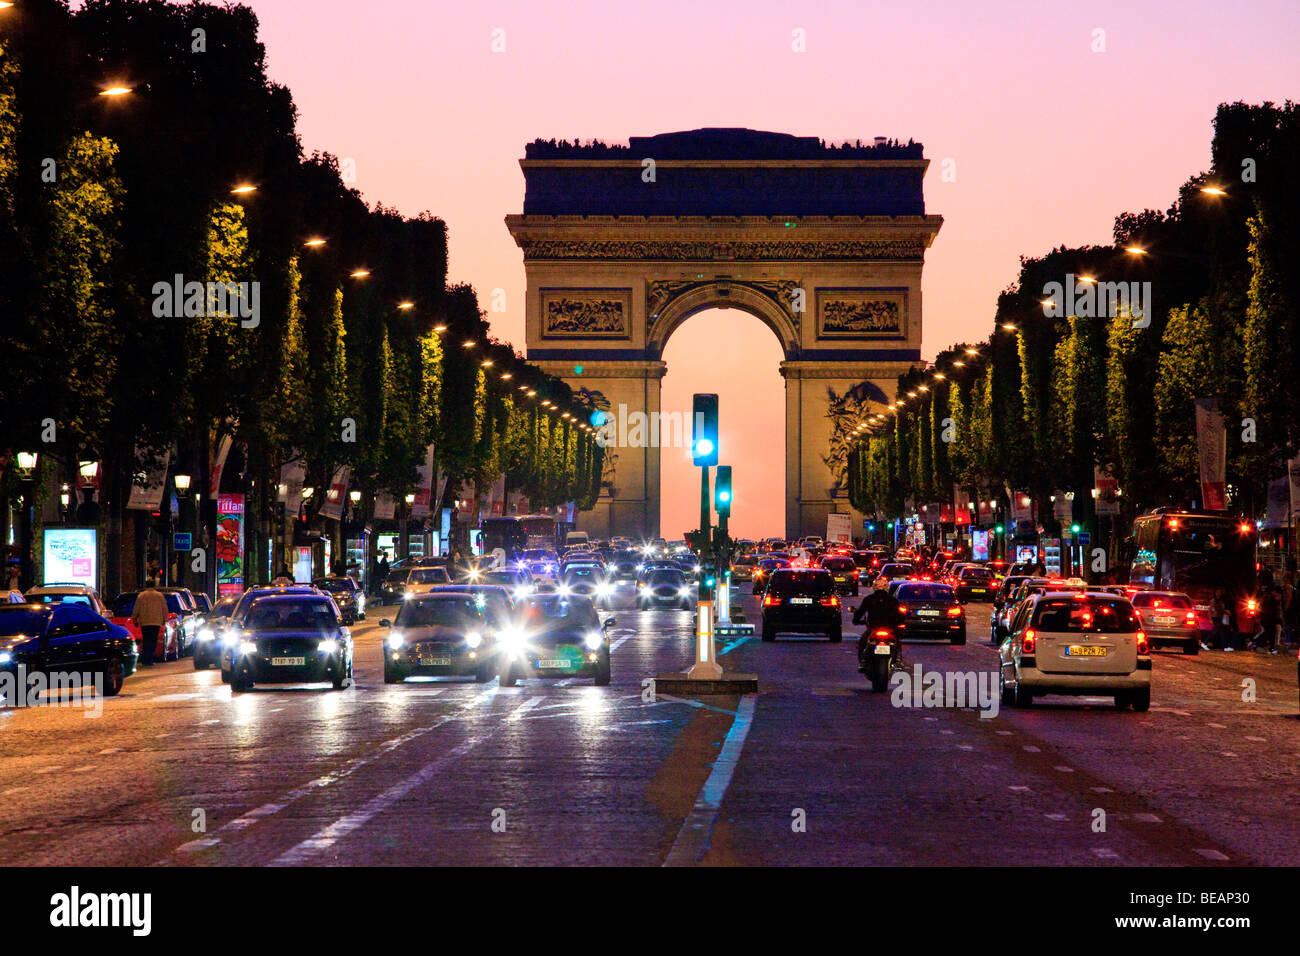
[
  {"x": 518, "y": 533},
  {"x": 1198, "y": 553}
]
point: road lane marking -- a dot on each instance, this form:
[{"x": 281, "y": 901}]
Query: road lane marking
[
  {"x": 518, "y": 713},
  {"x": 1211, "y": 854},
  {"x": 735, "y": 644},
  {"x": 693, "y": 838},
  {"x": 1146, "y": 818},
  {"x": 1104, "y": 853},
  {"x": 327, "y": 837},
  {"x": 109, "y": 750}
]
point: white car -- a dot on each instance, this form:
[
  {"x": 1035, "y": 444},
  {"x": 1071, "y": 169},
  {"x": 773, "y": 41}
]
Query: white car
[
  {"x": 1079, "y": 643},
  {"x": 71, "y": 593},
  {"x": 424, "y": 580}
]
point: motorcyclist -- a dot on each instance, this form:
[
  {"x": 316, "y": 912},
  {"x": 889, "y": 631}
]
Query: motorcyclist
[{"x": 878, "y": 609}]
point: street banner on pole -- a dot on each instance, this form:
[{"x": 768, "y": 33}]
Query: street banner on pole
[
  {"x": 1061, "y": 506},
  {"x": 292, "y": 477},
  {"x": 1293, "y": 474},
  {"x": 385, "y": 506},
  {"x": 1277, "y": 512},
  {"x": 1107, "y": 489},
  {"x": 1212, "y": 454},
  {"x": 338, "y": 490},
  {"x": 498, "y": 496},
  {"x": 147, "y": 485},
  {"x": 219, "y": 464},
  {"x": 424, "y": 486},
  {"x": 1022, "y": 507}
]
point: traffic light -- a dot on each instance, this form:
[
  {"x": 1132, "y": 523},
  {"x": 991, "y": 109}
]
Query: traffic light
[
  {"x": 1074, "y": 529},
  {"x": 998, "y": 529},
  {"x": 704, "y": 435},
  {"x": 722, "y": 491}
]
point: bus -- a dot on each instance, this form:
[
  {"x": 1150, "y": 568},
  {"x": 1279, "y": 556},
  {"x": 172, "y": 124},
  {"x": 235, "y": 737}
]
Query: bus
[
  {"x": 1198, "y": 553},
  {"x": 518, "y": 533}
]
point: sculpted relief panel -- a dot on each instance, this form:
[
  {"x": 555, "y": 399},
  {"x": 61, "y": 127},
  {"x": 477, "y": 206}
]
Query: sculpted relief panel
[
  {"x": 862, "y": 313},
  {"x": 586, "y": 313}
]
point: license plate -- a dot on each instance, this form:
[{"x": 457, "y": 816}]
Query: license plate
[
  {"x": 554, "y": 663},
  {"x": 435, "y": 661},
  {"x": 1165, "y": 621},
  {"x": 882, "y": 649},
  {"x": 979, "y": 591},
  {"x": 800, "y": 600},
  {"x": 840, "y": 580},
  {"x": 288, "y": 661},
  {"x": 925, "y": 613},
  {"x": 1085, "y": 650}
]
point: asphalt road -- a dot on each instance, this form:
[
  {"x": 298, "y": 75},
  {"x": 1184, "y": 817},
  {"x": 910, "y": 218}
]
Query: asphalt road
[{"x": 815, "y": 769}]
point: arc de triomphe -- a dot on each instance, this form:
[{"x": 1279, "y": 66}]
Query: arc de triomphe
[{"x": 825, "y": 245}]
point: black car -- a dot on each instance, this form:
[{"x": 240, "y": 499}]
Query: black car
[
  {"x": 623, "y": 566},
  {"x": 347, "y": 594},
  {"x": 1001, "y": 596},
  {"x": 802, "y": 601},
  {"x": 290, "y": 639},
  {"x": 557, "y": 637},
  {"x": 844, "y": 572},
  {"x": 930, "y": 609},
  {"x": 585, "y": 580},
  {"x": 207, "y": 646},
  {"x": 445, "y": 633},
  {"x": 664, "y": 587},
  {"x": 64, "y": 639},
  {"x": 975, "y": 583},
  {"x": 893, "y": 572},
  {"x": 229, "y": 638},
  {"x": 763, "y": 572}
]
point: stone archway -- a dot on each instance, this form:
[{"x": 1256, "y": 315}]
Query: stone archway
[{"x": 824, "y": 246}]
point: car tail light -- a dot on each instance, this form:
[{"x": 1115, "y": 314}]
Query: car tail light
[
  {"x": 1190, "y": 617},
  {"x": 903, "y": 609},
  {"x": 831, "y": 601},
  {"x": 954, "y": 612},
  {"x": 1143, "y": 646},
  {"x": 770, "y": 600},
  {"x": 1029, "y": 641}
]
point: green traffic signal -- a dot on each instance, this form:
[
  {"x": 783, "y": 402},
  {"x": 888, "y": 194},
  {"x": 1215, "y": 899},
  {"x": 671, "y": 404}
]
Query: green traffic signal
[
  {"x": 704, "y": 433},
  {"x": 1074, "y": 529},
  {"x": 722, "y": 491},
  {"x": 998, "y": 529}
]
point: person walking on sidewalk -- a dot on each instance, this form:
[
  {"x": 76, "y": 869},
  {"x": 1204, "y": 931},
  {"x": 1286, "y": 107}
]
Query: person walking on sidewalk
[
  {"x": 149, "y": 614},
  {"x": 1270, "y": 617}
]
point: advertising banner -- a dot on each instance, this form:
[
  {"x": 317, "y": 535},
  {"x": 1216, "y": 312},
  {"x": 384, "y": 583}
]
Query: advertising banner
[
  {"x": 292, "y": 477},
  {"x": 1061, "y": 506},
  {"x": 230, "y": 543},
  {"x": 147, "y": 484},
  {"x": 961, "y": 506},
  {"x": 1277, "y": 512},
  {"x": 71, "y": 556},
  {"x": 979, "y": 545},
  {"x": 337, "y": 494},
  {"x": 1212, "y": 454},
  {"x": 1107, "y": 492},
  {"x": 1022, "y": 507},
  {"x": 424, "y": 486},
  {"x": 839, "y": 529},
  {"x": 385, "y": 506},
  {"x": 1293, "y": 475},
  {"x": 219, "y": 463},
  {"x": 498, "y": 496}
]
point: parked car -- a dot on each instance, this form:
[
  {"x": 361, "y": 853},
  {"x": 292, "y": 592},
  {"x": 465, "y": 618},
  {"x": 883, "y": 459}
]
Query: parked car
[
  {"x": 71, "y": 593},
  {"x": 64, "y": 638},
  {"x": 168, "y": 647},
  {"x": 347, "y": 594}
]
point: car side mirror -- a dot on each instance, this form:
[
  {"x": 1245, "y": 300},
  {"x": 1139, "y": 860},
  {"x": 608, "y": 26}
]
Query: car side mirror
[
  {"x": 610, "y": 622},
  {"x": 385, "y": 622}
]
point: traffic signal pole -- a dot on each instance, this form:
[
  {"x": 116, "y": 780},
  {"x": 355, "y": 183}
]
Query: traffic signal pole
[{"x": 706, "y": 650}]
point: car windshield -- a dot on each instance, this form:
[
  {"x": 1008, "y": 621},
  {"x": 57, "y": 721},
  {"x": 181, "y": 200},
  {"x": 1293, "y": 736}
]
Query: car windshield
[
  {"x": 665, "y": 577},
  {"x": 976, "y": 574},
  {"x": 428, "y": 576},
  {"x": 506, "y": 579},
  {"x": 1094, "y": 615},
  {"x": 551, "y": 613},
  {"x": 926, "y": 592},
  {"x": 801, "y": 584},
  {"x": 281, "y": 614},
  {"x": 122, "y": 605},
  {"x": 1153, "y": 599},
  {"x": 224, "y": 608},
  {"x": 583, "y": 572},
  {"x": 462, "y": 611},
  {"x": 838, "y": 564},
  {"x": 336, "y": 584},
  {"x": 16, "y": 619}
]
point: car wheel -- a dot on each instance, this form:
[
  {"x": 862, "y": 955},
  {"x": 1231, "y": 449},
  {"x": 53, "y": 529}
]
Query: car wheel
[
  {"x": 1008, "y": 697},
  {"x": 225, "y": 677},
  {"x": 114, "y": 676},
  {"x": 1141, "y": 699},
  {"x": 392, "y": 676},
  {"x": 483, "y": 673},
  {"x": 343, "y": 677},
  {"x": 508, "y": 676},
  {"x": 684, "y": 606},
  {"x": 200, "y": 661},
  {"x": 1192, "y": 647},
  {"x": 602, "y": 672},
  {"x": 1024, "y": 697},
  {"x": 960, "y": 639},
  {"x": 768, "y": 633},
  {"x": 836, "y": 635},
  {"x": 240, "y": 684}
]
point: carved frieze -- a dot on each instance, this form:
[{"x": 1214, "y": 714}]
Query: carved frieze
[
  {"x": 705, "y": 249},
  {"x": 862, "y": 313},
  {"x": 660, "y": 292},
  {"x": 586, "y": 313}
]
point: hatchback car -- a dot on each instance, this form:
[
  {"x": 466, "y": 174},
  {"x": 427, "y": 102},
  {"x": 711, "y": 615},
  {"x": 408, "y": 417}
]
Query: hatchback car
[
  {"x": 843, "y": 572},
  {"x": 1169, "y": 617},
  {"x": 444, "y": 634},
  {"x": 802, "y": 601},
  {"x": 64, "y": 639},
  {"x": 290, "y": 639},
  {"x": 557, "y": 637},
  {"x": 71, "y": 593},
  {"x": 1077, "y": 644},
  {"x": 974, "y": 583},
  {"x": 168, "y": 647},
  {"x": 930, "y": 609},
  {"x": 664, "y": 587}
]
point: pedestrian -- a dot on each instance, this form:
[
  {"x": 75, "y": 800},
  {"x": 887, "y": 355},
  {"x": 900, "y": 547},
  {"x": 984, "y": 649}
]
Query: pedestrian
[
  {"x": 1221, "y": 635},
  {"x": 149, "y": 614},
  {"x": 1288, "y": 601},
  {"x": 1270, "y": 618},
  {"x": 15, "y": 575}
]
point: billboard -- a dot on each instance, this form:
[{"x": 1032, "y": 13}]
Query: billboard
[
  {"x": 230, "y": 544},
  {"x": 71, "y": 556}
]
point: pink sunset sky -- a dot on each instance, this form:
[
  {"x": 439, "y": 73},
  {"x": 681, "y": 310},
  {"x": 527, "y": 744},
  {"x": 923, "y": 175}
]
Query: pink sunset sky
[{"x": 1050, "y": 139}]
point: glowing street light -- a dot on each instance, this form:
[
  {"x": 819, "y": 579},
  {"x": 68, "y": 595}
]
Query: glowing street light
[
  {"x": 440, "y": 328},
  {"x": 360, "y": 273},
  {"x": 1135, "y": 250},
  {"x": 1006, "y": 327},
  {"x": 115, "y": 91},
  {"x": 1214, "y": 191},
  {"x": 243, "y": 188},
  {"x": 406, "y": 305},
  {"x": 313, "y": 242}
]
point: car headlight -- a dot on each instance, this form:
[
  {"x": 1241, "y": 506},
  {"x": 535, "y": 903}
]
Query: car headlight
[
  {"x": 640, "y": 568},
  {"x": 408, "y": 595},
  {"x": 594, "y": 639},
  {"x": 565, "y": 590},
  {"x": 473, "y": 640},
  {"x": 697, "y": 569},
  {"x": 394, "y": 640},
  {"x": 684, "y": 592},
  {"x": 230, "y": 637},
  {"x": 5, "y": 657},
  {"x": 604, "y": 590},
  {"x": 206, "y": 634},
  {"x": 513, "y": 638},
  {"x": 328, "y": 646},
  {"x": 248, "y": 647}
]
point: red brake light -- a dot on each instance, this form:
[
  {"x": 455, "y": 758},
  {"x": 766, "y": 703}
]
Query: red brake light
[
  {"x": 1029, "y": 641},
  {"x": 831, "y": 601},
  {"x": 883, "y": 636},
  {"x": 902, "y": 609},
  {"x": 1143, "y": 647},
  {"x": 770, "y": 599},
  {"x": 954, "y": 612}
]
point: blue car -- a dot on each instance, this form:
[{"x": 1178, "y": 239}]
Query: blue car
[{"x": 65, "y": 639}]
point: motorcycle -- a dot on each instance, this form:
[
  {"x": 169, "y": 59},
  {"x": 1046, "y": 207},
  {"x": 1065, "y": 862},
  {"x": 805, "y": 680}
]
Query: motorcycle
[{"x": 879, "y": 652}]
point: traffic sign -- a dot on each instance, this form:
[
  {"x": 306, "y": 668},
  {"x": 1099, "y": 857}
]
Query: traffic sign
[{"x": 182, "y": 541}]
